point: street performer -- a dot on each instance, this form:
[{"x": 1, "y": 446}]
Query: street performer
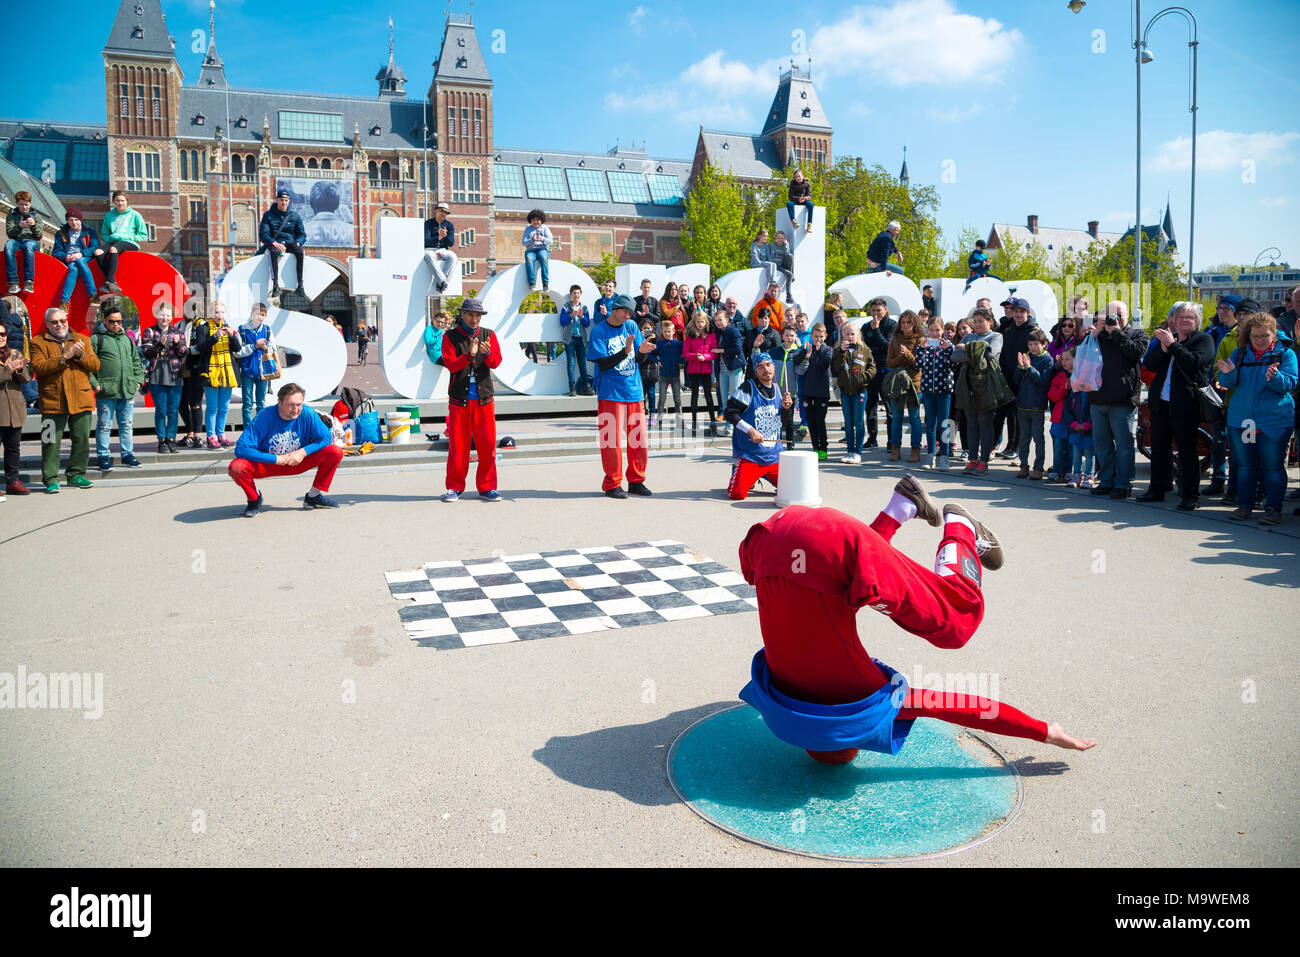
[
  {"x": 814, "y": 684},
  {"x": 470, "y": 354}
]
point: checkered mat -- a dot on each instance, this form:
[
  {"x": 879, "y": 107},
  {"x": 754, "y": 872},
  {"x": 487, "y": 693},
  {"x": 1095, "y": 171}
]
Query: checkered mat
[{"x": 486, "y": 601}]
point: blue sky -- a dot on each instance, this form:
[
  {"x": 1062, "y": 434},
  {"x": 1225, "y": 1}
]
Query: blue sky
[{"x": 1027, "y": 107}]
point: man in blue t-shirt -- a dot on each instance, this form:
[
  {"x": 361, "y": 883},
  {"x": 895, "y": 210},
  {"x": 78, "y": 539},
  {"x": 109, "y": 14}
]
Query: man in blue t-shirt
[
  {"x": 283, "y": 441},
  {"x": 620, "y": 398},
  {"x": 755, "y": 412}
]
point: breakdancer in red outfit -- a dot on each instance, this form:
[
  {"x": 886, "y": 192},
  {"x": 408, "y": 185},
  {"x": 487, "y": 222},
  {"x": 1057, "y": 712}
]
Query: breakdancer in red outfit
[{"x": 813, "y": 568}]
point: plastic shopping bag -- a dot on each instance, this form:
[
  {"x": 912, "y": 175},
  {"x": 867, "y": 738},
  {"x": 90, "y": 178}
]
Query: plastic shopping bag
[{"x": 1087, "y": 365}]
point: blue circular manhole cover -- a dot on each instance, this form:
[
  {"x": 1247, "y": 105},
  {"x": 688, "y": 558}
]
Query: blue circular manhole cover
[{"x": 947, "y": 790}]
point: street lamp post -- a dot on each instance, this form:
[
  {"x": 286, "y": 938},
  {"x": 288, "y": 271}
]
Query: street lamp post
[
  {"x": 1272, "y": 252},
  {"x": 1145, "y": 56}
]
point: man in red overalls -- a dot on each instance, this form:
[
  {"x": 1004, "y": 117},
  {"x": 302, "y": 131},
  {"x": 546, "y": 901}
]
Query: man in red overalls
[
  {"x": 470, "y": 353},
  {"x": 814, "y": 568}
]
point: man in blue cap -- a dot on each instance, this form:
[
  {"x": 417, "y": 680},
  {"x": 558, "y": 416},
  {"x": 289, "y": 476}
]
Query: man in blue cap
[
  {"x": 620, "y": 397},
  {"x": 281, "y": 231},
  {"x": 470, "y": 354}
]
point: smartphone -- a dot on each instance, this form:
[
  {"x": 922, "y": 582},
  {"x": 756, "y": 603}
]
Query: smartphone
[{"x": 934, "y": 343}]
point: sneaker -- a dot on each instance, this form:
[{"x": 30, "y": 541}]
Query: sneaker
[
  {"x": 80, "y": 481},
  {"x": 822, "y": 455},
  {"x": 1240, "y": 515},
  {"x": 1054, "y": 479},
  {"x": 14, "y": 289},
  {"x": 1190, "y": 503},
  {"x": 51, "y": 488},
  {"x": 927, "y": 461},
  {"x": 114, "y": 287},
  {"x": 1272, "y": 516},
  {"x": 29, "y": 286},
  {"x": 987, "y": 545},
  {"x": 130, "y": 461},
  {"x": 1087, "y": 483},
  {"x": 615, "y": 492},
  {"x": 1215, "y": 487},
  {"x": 926, "y": 509},
  {"x": 1073, "y": 480},
  {"x": 1120, "y": 494},
  {"x": 213, "y": 443},
  {"x": 1100, "y": 489},
  {"x": 225, "y": 443},
  {"x": 982, "y": 468},
  {"x": 491, "y": 496},
  {"x": 802, "y": 433},
  {"x": 1229, "y": 499},
  {"x": 546, "y": 287},
  {"x": 638, "y": 488},
  {"x": 1036, "y": 475},
  {"x": 970, "y": 469},
  {"x": 252, "y": 508},
  {"x": 847, "y": 460},
  {"x": 1024, "y": 472},
  {"x": 105, "y": 464},
  {"x": 450, "y": 496},
  {"x": 17, "y": 488},
  {"x": 314, "y": 499},
  {"x": 941, "y": 463}
]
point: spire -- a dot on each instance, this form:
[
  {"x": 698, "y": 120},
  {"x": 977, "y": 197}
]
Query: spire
[
  {"x": 902, "y": 174},
  {"x": 213, "y": 74},
  {"x": 796, "y": 104},
  {"x": 1168, "y": 225},
  {"x": 140, "y": 28},
  {"x": 392, "y": 81}
]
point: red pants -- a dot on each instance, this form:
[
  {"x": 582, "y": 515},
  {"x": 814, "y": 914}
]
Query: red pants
[
  {"x": 745, "y": 473},
  {"x": 244, "y": 471},
  {"x": 479, "y": 421},
  {"x": 814, "y": 653},
  {"x": 614, "y": 420}
]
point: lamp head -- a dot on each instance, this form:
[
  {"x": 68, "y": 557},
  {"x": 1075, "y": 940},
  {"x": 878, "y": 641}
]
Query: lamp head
[
  {"x": 1076, "y": 5},
  {"x": 1147, "y": 55}
]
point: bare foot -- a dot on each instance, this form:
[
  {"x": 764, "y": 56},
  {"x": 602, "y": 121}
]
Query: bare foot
[{"x": 1056, "y": 735}]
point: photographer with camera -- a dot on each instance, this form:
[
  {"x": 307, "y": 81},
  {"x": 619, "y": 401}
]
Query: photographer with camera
[{"x": 1114, "y": 405}]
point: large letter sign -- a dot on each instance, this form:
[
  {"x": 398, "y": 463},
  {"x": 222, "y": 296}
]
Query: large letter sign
[
  {"x": 324, "y": 354},
  {"x": 401, "y": 277},
  {"x": 809, "y": 251},
  {"x": 145, "y": 279}
]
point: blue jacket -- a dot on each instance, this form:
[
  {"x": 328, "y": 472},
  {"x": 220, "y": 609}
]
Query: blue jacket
[
  {"x": 431, "y": 240},
  {"x": 871, "y": 723},
  {"x": 571, "y": 323},
  {"x": 268, "y": 435},
  {"x": 1031, "y": 390},
  {"x": 281, "y": 227},
  {"x": 1266, "y": 402},
  {"x": 669, "y": 352},
  {"x": 249, "y": 356},
  {"x": 732, "y": 342},
  {"x": 86, "y": 244}
]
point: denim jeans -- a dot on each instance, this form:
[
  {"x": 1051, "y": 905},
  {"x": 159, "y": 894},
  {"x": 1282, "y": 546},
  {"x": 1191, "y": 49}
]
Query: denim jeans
[
  {"x": 216, "y": 407},
  {"x": 1260, "y": 467},
  {"x": 534, "y": 257},
  {"x": 575, "y": 352},
  {"x": 885, "y": 267},
  {"x": 979, "y": 423},
  {"x": 855, "y": 414},
  {"x": 254, "y": 398},
  {"x": 29, "y": 247},
  {"x": 1112, "y": 437},
  {"x": 1029, "y": 423},
  {"x": 121, "y": 410},
  {"x": 913, "y": 416},
  {"x": 166, "y": 408},
  {"x": 79, "y": 267},
  {"x": 729, "y": 381},
  {"x": 1080, "y": 460},
  {"x": 1060, "y": 455},
  {"x": 806, "y": 204},
  {"x": 938, "y": 433}
]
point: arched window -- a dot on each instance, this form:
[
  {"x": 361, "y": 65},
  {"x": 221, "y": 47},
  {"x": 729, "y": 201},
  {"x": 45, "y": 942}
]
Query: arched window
[
  {"x": 236, "y": 165},
  {"x": 374, "y": 170},
  {"x": 185, "y": 164},
  {"x": 325, "y": 164},
  {"x": 250, "y": 164},
  {"x": 312, "y": 164},
  {"x": 385, "y": 171},
  {"x": 298, "y": 163}
]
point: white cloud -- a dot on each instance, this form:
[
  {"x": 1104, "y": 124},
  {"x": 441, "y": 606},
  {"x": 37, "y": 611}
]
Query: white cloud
[
  {"x": 915, "y": 42},
  {"x": 730, "y": 78},
  {"x": 651, "y": 101},
  {"x": 1222, "y": 150},
  {"x": 713, "y": 92},
  {"x": 635, "y": 18},
  {"x": 1277, "y": 202},
  {"x": 859, "y": 108},
  {"x": 954, "y": 114}
]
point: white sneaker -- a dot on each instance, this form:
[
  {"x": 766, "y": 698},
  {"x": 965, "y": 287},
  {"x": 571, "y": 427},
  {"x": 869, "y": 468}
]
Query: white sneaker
[
  {"x": 857, "y": 459},
  {"x": 941, "y": 463},
  {"x": 847, "y": 460}
]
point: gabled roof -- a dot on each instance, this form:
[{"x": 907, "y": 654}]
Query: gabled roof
[
  {"x": 742, "y": 154},
  {"x": 460, "y": 60},
  {"x": 796, "y": 105},
  {"x": 141, "y": 28},
  {"x": 399, "y": 120},
  {"x": 44, "y": 202}
]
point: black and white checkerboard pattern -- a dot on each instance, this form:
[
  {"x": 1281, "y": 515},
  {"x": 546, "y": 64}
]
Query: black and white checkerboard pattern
[{"x": 519, "y": 597}]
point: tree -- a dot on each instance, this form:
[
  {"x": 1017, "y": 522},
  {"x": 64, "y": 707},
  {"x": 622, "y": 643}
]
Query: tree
[
  {"x": 717, "y": 226},
  {"x": 604, "y": 271}
]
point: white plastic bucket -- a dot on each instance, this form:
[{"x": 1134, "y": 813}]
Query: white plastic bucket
[
  {"x": 399, "y": 427},
  {"x": 797, "y": 483}
]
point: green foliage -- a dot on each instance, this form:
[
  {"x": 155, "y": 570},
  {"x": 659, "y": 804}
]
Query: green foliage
[
  {"x": 452, "y": 303},
  {"x": 538, "y": 302},
  {"x": 603, "y": 272},
  {"x": 719, "y": 222}
]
